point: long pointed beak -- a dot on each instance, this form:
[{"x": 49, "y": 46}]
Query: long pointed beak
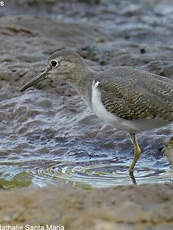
[{"x": 37, "y": 79}]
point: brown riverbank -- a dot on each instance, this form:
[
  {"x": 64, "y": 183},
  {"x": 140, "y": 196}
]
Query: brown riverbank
[{"x": 124, "y": 207}]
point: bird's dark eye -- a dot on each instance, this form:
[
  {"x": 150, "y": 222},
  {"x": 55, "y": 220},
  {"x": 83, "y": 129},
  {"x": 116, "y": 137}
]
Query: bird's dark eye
[{"x": 53, "y": 63}]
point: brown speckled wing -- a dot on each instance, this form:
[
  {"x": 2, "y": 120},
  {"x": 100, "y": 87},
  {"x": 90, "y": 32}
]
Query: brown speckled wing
[{"x": 136, "y": 98}]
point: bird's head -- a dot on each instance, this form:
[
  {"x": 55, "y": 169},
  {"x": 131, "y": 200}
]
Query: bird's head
[{"x": 65, "y": 64}]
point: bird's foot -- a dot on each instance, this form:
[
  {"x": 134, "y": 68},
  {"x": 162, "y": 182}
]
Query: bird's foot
[{"x": 132, "y": 176}]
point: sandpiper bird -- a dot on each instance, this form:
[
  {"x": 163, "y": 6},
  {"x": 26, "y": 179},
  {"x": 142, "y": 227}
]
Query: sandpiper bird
[{"x": 126, "y": 98}]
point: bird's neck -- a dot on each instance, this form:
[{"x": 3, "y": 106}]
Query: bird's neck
[{"x": 83, "y": 78}]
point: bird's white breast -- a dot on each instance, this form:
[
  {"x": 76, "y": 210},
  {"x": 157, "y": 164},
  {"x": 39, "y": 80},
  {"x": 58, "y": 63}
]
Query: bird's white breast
[
  {"x": 100, "y": 110},
  {"x": 98, "y": 107}
]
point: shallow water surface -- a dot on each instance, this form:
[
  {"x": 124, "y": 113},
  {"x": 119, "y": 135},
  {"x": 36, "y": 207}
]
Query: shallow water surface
[
  {"x": 94, "y": 171},
  {"x": 48, "y": 135},
  {"x": 45, "y": 139}
]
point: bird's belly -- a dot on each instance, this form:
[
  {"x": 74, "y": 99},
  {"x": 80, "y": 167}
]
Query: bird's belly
[
  {"x": 113, "y": 120},
  {"x": 128, "y": 125}
]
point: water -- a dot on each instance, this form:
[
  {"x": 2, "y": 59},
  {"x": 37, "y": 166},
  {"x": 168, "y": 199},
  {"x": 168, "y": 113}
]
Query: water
[
  {"x": 82, "y": 171},
  {"x": 48, "y": 136},
  {"x": 48, "y": 140}
]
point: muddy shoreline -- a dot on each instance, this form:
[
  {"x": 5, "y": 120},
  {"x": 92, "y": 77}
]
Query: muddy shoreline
[{"x": 123, "y": 207}]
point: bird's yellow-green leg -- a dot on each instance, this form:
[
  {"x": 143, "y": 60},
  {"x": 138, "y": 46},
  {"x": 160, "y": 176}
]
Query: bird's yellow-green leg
[
  {"x": 169, "y": 150},
  {"x": 137, "y": 152}
]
